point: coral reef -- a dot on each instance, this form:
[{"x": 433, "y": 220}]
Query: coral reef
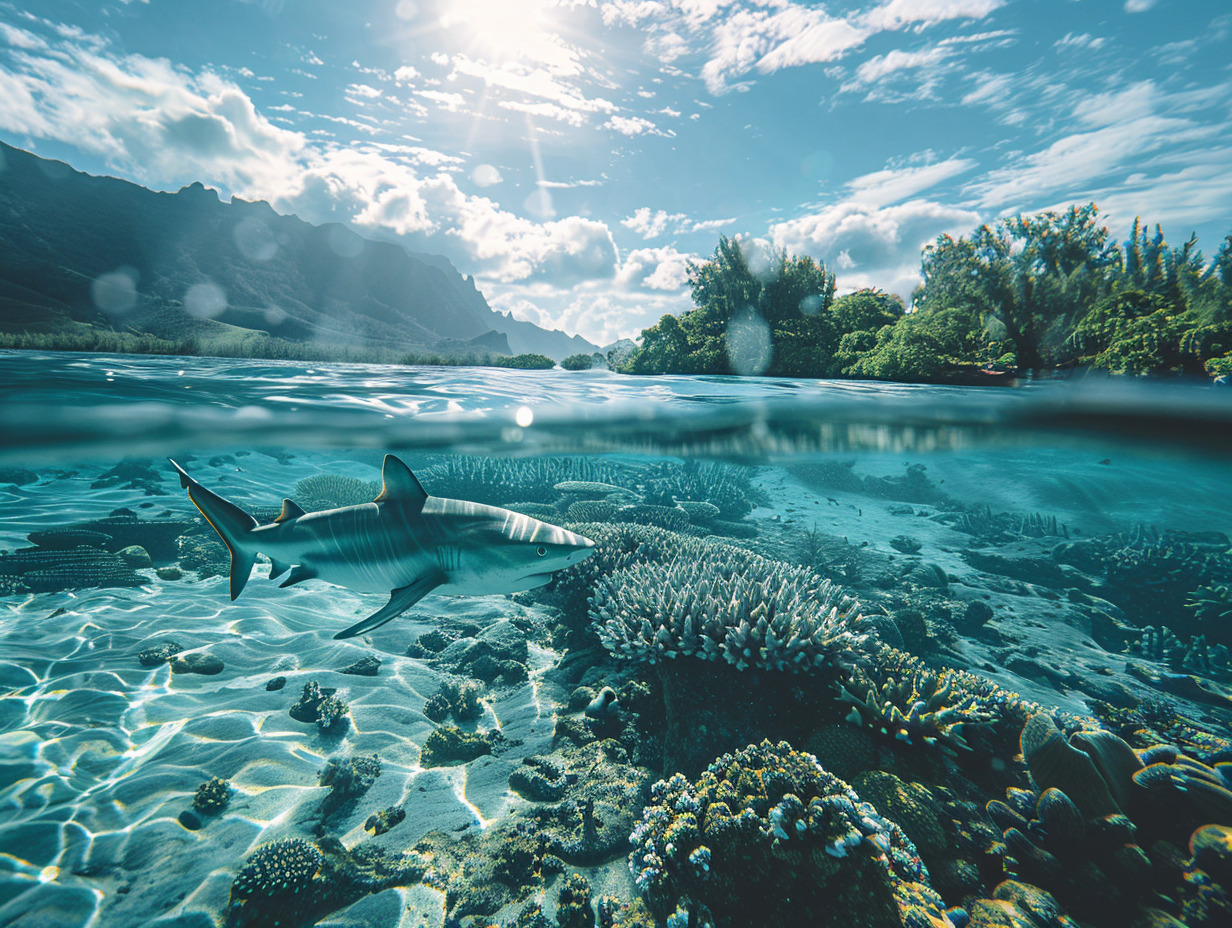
[
  {"x": 727, "y": 487},
  {"x": 348, "y": 778},
  {"x": 293, "y": 883},
  {"x": 915, "y": 705},
  {"x": 160, "y": 654},
  {"x": 212, "y": 796},
  {"x": 380, "y": 822},
  {"x": 765, "y": 835},
  {"x": 333, "y": 491},
  {"x": 540, "y": 779},
  {"x": 574, "y": 909},
  {"x": 449, "y": 745},
  {"x": 496, "y": 481},
  {"x": 718, "y": 602},
  {"x": 49, "y": 570},
  {"x": 1159, "y": 644},
  {"x": 308, "y": 707},
  {"x": 333, "y": 715},
  {"x": 367, "y": 666}
]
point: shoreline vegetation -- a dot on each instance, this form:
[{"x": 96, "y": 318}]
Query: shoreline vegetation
[
  {"x": 1033, "y": 295},
  {"x": 1045, "y": 294}
]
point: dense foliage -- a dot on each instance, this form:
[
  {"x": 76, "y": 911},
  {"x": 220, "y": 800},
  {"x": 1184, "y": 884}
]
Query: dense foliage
[
  {"x": 526, "y": 362},
  {"x": 578, "y": 362},
  {"x": 1028, "y": 293}
]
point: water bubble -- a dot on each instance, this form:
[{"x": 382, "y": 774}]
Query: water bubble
[
  {"x": 485, "y": 175},
  {"x": 524, "y": 416},
  {"x": 811, "y": 304},
  {"x": 748, "y": 344},
  {"x": 759, "y": 255},
  {"x": 343, "y": 242},
  {"x": 115, "y": 292},
  {"x": 205, "y": 300},
  {"x": 539, "y": 204},
  {"x": 254, "y": 239}
]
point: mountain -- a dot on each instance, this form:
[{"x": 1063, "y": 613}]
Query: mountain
[{"x": 79, "y": 252}]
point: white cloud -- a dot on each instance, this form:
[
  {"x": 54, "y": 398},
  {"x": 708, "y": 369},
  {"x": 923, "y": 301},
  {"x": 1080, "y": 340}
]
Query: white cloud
[
  {"x": 898, "y": 13},
  {"x": 873, "y": 245},
  {"x": 662, "y": 268},
  {"x": 142, "y": 115},
  {"x": 1139, "y": 6},
  {"x": 651, "y": 223},
  {"x": 632, "y": 126},
  {"x": 880, "y": 66},
  {"x": 1110, "y": 136},
  {"x": 452, "y": 102},
  {"x": 880, "y": 188}
]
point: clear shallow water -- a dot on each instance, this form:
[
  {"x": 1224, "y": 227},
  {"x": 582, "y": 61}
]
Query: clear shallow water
[{"x": 871, "y": 485}]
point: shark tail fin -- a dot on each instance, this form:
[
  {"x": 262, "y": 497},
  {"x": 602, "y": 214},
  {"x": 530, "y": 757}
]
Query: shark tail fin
[{"x": 230, "y": 522}]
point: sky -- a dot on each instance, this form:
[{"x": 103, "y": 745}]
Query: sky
[{"x": 575, "y": 156}]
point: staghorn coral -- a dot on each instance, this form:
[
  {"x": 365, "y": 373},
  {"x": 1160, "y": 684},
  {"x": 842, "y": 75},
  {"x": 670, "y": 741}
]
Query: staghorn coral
[
  {"x": 725, "y": 603},
  {"x": 496, "y": 481},
  {"x": 766, "y": 834},
  {"x": 915, "y": 705},
  {"x": 333, "y": 491},
  {"x": 726, "y": 486},
  {"x": 669, "y": 517},
  {"x": 1158, "y": 643},
  {"x": 592, "y": 510}
]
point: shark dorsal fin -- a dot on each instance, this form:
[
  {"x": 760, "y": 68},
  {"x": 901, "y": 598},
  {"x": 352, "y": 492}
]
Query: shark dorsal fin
[
  {"x": 400, "y": 484},
  {"x": 290, "y": 510}
]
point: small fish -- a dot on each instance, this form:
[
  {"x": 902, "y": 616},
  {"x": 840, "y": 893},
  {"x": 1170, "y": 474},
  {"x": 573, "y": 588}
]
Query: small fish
[{"x": 404, "y": 543}]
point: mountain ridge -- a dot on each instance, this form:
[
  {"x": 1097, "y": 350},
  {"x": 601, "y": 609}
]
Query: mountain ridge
[{"x": 79, "y": 251}]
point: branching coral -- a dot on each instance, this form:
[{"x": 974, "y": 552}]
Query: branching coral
[
  {"x": 499, "y": 480},
  {"x": 766, "y": 830},
  {"x": 728, "y": 487},
  {"x": 720, "y": 602},
  {"x": 916, "y": 705}
]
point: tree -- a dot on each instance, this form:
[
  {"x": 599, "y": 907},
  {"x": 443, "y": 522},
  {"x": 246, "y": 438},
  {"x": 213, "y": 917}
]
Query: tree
[
  {"x": 578, "y": 362},
  {"x": 922, "y": 346},
  {"x": 1035, "y": 274}
]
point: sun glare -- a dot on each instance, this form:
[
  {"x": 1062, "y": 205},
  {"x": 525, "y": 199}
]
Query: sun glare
[{"x": 501, "y": 30}]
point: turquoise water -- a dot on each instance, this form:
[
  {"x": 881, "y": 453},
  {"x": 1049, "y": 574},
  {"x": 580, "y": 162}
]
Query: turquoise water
[{"x": 1066, "y": 544}]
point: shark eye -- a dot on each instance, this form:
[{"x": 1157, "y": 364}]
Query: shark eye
[{"x": 541, "y": 551}]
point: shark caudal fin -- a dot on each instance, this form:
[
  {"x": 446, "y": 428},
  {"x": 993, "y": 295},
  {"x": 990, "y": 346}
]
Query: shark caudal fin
[{"x": 230, "y": 522}]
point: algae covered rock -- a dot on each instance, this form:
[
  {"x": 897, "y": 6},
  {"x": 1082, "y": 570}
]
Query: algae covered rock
[{"x": 449, "y": 745}]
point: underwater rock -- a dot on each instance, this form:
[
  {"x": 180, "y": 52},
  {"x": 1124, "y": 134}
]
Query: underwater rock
[
  {"x": 65, "y": 539},
  {"x": 449, "y": 746},
  {"x": 767, "y": 830},
  {"x": 348, "y": 778},
  {"x": 604, "y": 705},
  {"x": 17, "y": 476},
  {"x": 364, "y": 667},
  {"x": 977, "y": 614},
  {"x": 160, "y": 654},
  {"x": 905, "y": 545},
  {"x": 333, "y": 715},
  {"x": 135, "y": 556},
  {"x": 276, "y": 684},
  {"x": 212, "y": 796},
  {"x": 307, "y": 707},
  {"x": 132, "y": 474},
  {"x": 911, "y": 805},
  {"x": 540, "y": 779},
  {"x": 437, "y": 708},
  {"x": 197, "y": 662},
  {"x": 380, "y": 822},
  {"x": 461, "y": 698},
  {"x": 169, "y": 573}
]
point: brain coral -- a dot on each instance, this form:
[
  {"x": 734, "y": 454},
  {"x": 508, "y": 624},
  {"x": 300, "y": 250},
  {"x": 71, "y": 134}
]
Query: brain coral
[{"x": 766, "y": 836}]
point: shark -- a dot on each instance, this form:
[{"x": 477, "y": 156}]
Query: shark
[{"x": 404, "y": 543}]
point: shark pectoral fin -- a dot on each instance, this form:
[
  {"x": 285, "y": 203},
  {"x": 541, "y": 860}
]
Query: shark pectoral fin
[
  {"x": 400, "y": 600},
  {"x": 399, "y": 484},
  {"x": 277, "y": 569},
  {"x": 290, "y": 510},
  {"x": 299, "y": 573}
]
